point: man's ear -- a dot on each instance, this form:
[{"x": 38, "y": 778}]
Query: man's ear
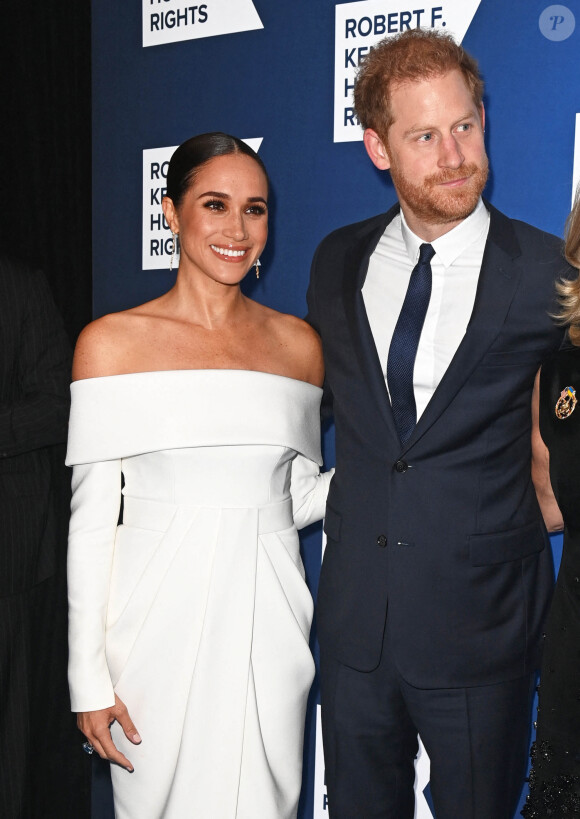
[
  {"x": 376, "y": 150},
  {"x": 482, "y": 115}
]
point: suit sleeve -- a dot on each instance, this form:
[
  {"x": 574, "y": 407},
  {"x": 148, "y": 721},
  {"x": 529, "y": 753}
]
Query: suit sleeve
[
  {"x": 38, "y": 416},
  {"x": 309, "y": 487},
  {"x": 313, "y": 318},
  {"x": 312, "y": 315}
]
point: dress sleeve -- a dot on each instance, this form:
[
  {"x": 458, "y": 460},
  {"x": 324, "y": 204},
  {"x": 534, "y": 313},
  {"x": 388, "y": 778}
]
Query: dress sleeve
[
  {"x": 309, "y": 489},
  {"x": 95, "y": 509}
]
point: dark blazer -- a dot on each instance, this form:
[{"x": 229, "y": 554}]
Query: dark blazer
[
  {"x": 34, "y": 401},
  {"x": 443, "y": 534}
]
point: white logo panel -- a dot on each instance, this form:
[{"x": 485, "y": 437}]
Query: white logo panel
[
  {"x": 157, "y": 241},
  {"x": 422, "y": 772},
  {"x": 422, "y": 776},
  {"x": 170, "y": 21},
  {"x": 360, "y": 25},
  {"x": 320, "y": 797}
]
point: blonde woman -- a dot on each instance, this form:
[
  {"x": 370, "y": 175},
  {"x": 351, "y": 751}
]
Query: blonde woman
[{"x": 555, "y": 775}]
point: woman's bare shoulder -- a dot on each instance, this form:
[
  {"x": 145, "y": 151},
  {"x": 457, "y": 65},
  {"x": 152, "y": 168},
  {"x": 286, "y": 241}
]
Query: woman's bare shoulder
[
  {"x": 298, "y": 330},
  {"x": 302, "y": 343},
  {"x": 102, "y": 347}
]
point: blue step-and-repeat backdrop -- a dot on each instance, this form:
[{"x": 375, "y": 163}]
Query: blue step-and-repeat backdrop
[{"x": 279, "y": 74}]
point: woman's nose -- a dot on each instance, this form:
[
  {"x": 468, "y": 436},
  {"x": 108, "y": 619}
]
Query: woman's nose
[{"x": 236, "y": 227}]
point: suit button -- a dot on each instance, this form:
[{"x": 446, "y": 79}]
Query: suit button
[
  {"x": 381, "y": 541},
  {"x": 401, "y": 466}
]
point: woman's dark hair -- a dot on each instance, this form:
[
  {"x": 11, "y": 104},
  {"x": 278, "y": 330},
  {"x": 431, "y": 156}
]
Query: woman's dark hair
[{"x": 195, "y": 152}]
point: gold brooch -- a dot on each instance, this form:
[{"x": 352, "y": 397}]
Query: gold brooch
[{"x": 566, "y": 403}]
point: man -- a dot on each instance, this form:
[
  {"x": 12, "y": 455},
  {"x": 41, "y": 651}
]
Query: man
[
  {"x": 437, "y": 571},
  {"x": 42, "y": 770}
]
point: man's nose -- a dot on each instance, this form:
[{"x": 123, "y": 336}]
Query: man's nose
[{"x": 450, "y": 155}]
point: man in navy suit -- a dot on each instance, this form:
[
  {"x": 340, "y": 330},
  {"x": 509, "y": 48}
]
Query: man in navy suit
[{"x": 434, "y": 319}]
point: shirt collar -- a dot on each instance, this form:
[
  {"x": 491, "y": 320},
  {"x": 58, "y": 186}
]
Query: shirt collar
[{"x": 451, "y": 245}]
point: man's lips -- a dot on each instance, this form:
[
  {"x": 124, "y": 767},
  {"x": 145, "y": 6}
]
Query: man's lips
[
  {"x": 454, "y": 183},
  {"x": 450, "y": 178}
]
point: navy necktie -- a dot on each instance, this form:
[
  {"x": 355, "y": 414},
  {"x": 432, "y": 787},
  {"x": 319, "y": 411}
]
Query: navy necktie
[{"x": 404, "y": 344}]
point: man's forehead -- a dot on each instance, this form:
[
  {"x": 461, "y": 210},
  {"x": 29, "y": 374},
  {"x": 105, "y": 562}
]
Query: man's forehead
[
  {"x": 426, "y": 79},
  {"x": 459, "y": 93}
]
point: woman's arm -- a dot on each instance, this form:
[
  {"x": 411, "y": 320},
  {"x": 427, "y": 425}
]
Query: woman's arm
[
  {"x": 309, "y": 490},
  {"x": 541, "y": 469},
  {"x": 95, "y": 506},
  {"x": 95, "y": 510}
]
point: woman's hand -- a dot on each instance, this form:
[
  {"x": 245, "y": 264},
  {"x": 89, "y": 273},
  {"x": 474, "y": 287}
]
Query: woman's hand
[
  {"x": 95, "y": 726},
  {"x": 541, "y": 469}
]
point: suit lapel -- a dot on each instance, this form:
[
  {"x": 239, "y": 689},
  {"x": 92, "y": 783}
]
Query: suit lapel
[
  {"x": 356, "y": 264},
  {"x": 498, "y": 281}
]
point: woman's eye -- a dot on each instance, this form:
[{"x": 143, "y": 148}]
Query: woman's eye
[
  {"x": 213, "y": 204},
  {"x": 257, "y": 210}
]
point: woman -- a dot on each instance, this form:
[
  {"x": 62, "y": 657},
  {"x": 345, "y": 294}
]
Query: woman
[
  {"x": 555, "y": 775},
  {"x": 189, "y": 622}
]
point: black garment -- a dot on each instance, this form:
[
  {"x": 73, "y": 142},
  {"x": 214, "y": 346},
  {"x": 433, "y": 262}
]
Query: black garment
[
  {"x": 43, "y": 772},
  {"x": 555, "y": 776}
]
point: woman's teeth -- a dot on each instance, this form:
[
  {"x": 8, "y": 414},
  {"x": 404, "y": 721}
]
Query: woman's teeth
[{"x": 224, "y": 251}]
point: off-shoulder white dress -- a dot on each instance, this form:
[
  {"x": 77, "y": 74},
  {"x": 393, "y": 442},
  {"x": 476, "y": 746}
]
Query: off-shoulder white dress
[{"x": 194, "y": 609}]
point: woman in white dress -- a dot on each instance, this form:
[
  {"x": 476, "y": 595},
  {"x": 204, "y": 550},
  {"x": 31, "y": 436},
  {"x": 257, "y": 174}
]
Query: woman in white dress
[{"x": 189, "y": 622}]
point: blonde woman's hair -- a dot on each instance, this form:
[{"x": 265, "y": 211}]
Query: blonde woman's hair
[{"x": 569, "y": 291}]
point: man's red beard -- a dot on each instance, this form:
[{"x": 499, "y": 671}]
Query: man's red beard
[{"x": 435, "y": 205}]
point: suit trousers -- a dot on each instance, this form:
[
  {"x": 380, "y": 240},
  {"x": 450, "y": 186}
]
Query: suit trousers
[
  {"x": 477, "y": 739},
  {"x": 43, "y": 772}
]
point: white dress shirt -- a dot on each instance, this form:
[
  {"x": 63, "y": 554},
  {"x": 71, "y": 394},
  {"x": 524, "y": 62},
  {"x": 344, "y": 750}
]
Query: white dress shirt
[{"x": 455, "y": 268}]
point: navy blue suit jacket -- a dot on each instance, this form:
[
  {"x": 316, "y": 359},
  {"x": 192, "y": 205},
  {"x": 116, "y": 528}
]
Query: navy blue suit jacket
[{"x": 442, "y": 535}]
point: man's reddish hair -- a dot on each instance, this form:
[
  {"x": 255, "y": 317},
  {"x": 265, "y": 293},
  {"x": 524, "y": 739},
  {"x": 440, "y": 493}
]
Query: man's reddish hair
[{"x": 415, "y": 55}]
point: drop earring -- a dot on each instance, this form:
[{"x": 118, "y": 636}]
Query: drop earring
[
  {"x": 173, "y": 247},
  {"x": 257, "y": 265}
]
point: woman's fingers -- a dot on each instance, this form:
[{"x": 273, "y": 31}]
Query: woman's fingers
[
  {"x": 125, "y": 721},
  {"x": 110, "y": 751},
  {"x": 95, "y": 725},
  {"x": 101, "y": 740}
]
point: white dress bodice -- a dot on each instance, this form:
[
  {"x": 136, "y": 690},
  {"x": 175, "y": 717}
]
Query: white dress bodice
[{"x": 211, "y": 476}]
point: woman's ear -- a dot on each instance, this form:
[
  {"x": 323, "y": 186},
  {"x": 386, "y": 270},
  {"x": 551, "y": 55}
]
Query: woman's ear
[{"x": 170, "y": 214}]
